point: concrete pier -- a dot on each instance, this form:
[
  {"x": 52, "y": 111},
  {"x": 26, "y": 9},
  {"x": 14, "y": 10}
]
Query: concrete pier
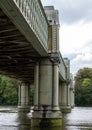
[
  {"x": 46, "y": 109},
  {"x": 63, "y": 97},
  {"x": 23, "y": 98}
]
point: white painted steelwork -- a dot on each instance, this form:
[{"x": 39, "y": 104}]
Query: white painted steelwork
[{"x": 34, "y": 14}]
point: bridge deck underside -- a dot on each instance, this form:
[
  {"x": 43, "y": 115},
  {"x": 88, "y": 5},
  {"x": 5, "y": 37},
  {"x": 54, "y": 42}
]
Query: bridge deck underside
[{"x": 17, "y": 56}]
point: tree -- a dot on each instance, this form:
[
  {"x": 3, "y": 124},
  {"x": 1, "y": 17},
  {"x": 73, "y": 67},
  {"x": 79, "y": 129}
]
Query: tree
[
  {"x": 9, "y": 91},
  {"x": 86, "y": 82},
  {"x": 83, "y": 87}
]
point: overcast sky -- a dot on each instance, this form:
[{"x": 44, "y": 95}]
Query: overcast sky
[{"x": 75, "y": 31}]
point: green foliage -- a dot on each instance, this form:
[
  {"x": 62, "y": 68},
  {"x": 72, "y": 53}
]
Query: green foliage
[
  {"x": 9, "y": 91},
  {"x": 83, "y": 87},
  {"x": 86, "y": 82}
]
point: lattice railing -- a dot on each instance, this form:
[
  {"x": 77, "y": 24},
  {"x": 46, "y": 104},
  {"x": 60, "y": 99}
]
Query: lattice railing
[
  {"x": 34, "y": 14},
  {"x": 62, "y": 68}
]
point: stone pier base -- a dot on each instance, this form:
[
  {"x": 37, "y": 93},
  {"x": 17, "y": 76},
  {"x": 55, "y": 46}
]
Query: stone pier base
[
  {"x": 65, "y": 109},
  {"x": 46, "y": 118},
  {"x": 25, "y": 109},
  {"x": 46, "y": 122}
]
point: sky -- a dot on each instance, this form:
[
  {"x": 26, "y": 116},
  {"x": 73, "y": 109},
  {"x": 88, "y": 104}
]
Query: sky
[{"x": 75, "y": 34}]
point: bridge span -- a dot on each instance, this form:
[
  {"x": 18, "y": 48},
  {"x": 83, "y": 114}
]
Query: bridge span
[{"x": 29, "y": 52}]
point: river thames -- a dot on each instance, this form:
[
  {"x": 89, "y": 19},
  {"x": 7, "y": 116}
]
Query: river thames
[{"x": 80, "y": 118}]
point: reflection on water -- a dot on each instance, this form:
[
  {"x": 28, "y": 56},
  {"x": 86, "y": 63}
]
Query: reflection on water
[{"x": 79, "y": 119}]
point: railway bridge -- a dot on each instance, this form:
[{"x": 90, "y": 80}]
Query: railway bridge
[{"x": 29, "y": 52}]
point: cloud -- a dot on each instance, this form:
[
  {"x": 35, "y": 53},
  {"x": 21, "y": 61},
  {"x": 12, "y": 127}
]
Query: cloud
[
  {"x": 78, "y": 65},
  {"x": 83, "y": 57},
  {"x": 76, "y": 10},
  {"x": 72, "y": 11},
  {"x": 87, "y": 48},
  {"x": 74, "y": 38},
  {"x": 81, "y": 61}
]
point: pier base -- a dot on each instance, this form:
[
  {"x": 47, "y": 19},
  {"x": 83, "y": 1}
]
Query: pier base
[
  {"x": 46, "y": 122},
  {"x": 46, "y": 117},
  {"x": 25, "y": 109},
  {"x": 65, "y": 109}
]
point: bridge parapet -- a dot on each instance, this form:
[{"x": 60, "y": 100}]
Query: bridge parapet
[
  {"x": 62, "y": 69},
  {"x": 34, "y": 14},
  {"x": 67, "y": 63}
]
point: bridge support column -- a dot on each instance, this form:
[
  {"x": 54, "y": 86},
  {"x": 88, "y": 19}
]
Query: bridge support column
[
  {"x": 46, "y": 106},
  {"x": 65, "y": 89},
  {"x": 72, "y": 92},
  {"x": 64, "y": 97},
  {"x": 71, "y": 97},
  {"x": 23, "y": 99},
  {"x": 55, "y": 88},
  {"x": 36, "y": 85}
]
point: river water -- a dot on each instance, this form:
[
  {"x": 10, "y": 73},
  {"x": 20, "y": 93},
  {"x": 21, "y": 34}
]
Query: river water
[{"x": 80, "y": 118}]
